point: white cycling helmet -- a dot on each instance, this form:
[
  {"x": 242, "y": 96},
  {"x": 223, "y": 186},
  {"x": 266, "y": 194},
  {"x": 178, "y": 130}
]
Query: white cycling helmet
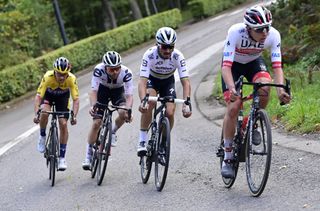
[
  {"x": 111, "y": 59},
  {"x": 166, "y": 36},
  {"x": 257, "y": 17},
  {"x": 62, "y": 65}
]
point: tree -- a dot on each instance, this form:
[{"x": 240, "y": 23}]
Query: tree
[
  {"x": 108, "y": 15},
  {"x": 135, "y": 9},
  {"x": 146, "y": 4}
]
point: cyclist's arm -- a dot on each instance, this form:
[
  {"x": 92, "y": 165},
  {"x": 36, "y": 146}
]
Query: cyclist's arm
[
  {"x": 75, "y": 107},
  {"x": 129, "y": 101},
  {"x": 142, "y": 87},
  {"x": 227, "y": 77},
  {"x": 186, "y": 87},
  {"x": 93, "y": 97},
  {"x": 37, "y": 102}
]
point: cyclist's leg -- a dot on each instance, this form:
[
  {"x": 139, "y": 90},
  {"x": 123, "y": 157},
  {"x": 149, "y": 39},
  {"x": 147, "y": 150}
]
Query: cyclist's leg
[
  {"x": 260, "y": 74},
  {"x": 118, "y": 99},
  {"x": 45, "y": 106},
  {"x": 167, "y": 88},
  {"x": 229, "y": 123}
]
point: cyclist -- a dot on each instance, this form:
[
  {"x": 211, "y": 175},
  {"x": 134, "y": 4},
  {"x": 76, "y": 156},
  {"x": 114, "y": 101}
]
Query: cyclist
[
  {"x": 157, "y": 70},
  {"x": 244, "y": 45},
  {"x": 55, "y": 87},
  {"x": 110, "y": 80}
]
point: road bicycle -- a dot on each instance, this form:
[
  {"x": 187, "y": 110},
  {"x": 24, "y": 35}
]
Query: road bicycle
[
  {"x": 158, "y": 147},
  {"x": 257, "y": 156},
  {"x": 102, "y": 146},
  {"x": 52, "y": 150}
]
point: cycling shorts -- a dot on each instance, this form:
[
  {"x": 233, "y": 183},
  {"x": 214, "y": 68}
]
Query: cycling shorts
[
  {"x": 106, "y": 94},
  {"x": 251, "y": 71},
  {"x": 58, "y": 97},
  {"x": 164, "y": 87}
]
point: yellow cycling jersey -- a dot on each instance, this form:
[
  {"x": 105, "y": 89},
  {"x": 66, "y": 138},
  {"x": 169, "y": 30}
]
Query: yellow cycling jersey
[{"x": 49, "y": 83}]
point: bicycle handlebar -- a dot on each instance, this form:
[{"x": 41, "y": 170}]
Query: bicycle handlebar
[
  {"x": 112, "y": 108},
  {"x": 239, "y": 83}
]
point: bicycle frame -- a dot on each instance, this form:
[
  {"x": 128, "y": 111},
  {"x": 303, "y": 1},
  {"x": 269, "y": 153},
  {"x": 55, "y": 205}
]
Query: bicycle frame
[{"x": 254, "y": 96}]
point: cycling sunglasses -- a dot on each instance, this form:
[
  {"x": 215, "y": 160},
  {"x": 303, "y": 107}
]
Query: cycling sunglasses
[
  {"x": 261, "y": 30},
  {"x": 165, "y": 47}
]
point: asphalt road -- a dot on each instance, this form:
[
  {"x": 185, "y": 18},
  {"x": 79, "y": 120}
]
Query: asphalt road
[{"x": 194, "y": 181}]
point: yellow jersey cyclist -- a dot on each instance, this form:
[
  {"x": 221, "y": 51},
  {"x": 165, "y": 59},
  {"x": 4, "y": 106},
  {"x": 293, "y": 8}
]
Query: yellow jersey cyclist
[{"x": 56, "y": 87}]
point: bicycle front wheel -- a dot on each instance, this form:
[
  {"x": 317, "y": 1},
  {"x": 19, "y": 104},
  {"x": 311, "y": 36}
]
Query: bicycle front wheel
[
  {"x": 146, "y": 160},
  {"x": 53, "y": 155},
  {"x": 94, "y": 162},
  {"x": 258, "y": 153},
  {"x": 162, "y": 153},
  {"x": 105, "y": 137}
]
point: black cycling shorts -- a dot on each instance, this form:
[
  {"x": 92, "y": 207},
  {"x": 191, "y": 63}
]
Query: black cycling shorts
[
  {"x": 60, "y": 98},
  {"x": 248, "y": 70},
  {"x": 106, "y": 94},
  {"x": 164, "y": 87}
]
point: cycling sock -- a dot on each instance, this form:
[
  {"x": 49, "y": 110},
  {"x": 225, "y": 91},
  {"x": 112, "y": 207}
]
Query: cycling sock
[
  {"x": 89, "y": 151},
  {"x": 63, "y": 148},
  {"x": 114, "y": 128},
  {"x": 42, "y": 131},
  {"x": 143, "y": 135},
  {"x": 228, "y": 155}
]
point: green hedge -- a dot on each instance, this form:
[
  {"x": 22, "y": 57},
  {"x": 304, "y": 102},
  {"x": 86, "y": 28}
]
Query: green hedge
[
  {"x": 205, "y": 8},
  {"x": 20, "y": 79}
]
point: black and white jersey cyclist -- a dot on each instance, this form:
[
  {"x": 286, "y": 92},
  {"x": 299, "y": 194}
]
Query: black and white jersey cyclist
[
  {"x": 157, "y": 70},
  {"x": 110, "y": 81}
]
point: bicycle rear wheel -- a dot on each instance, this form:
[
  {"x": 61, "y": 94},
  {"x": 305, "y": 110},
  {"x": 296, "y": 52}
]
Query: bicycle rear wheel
[
  {"x": 105, "y": 137},
  {"x": 162, "y": 153},
  {"x": 258, "y": 157},
  {"x": 228, "y": 182}
]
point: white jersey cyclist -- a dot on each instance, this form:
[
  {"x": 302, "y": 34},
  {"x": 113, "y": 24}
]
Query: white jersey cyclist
[
  {"x": 239, "y": 47},
  {"x": 153, "y": 64},
  {"x": 124, "y": 79}
]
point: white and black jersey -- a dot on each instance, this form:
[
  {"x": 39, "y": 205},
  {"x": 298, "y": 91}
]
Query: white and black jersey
[{"x": 100, "y": 76}]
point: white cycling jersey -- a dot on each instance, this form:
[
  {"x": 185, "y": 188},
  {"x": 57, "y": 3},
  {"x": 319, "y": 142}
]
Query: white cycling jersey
[
  {"x": 153, "y": 64},
  {"x": 100, "y": 76},
  {"x": 239, "y": 47}
]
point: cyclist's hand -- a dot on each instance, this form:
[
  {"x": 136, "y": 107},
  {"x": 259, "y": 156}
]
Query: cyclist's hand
[
  {"x": 128, "y": 118},
  {"x": 233, "y": 95},
  {"x": 73, "y": 121},
  {"x": 36, "y": 119},
  {"x": 93, "y": 111},
  {"x": 143, "y": 107},
  {"x": 186, "y": 112},
  {"x": 283, "y": 96}
]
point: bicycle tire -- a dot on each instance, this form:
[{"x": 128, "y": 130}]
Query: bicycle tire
[
  {"x": 146, "y": 160},
  {"x": 53, "y": 155},
  {"x": 94, "y": 162},
  {"x": 104, "y": 152},
  {"x": 162, "y": 157},
  {"x": 255, "y": 165},
  {"x": 228, "y": 182}
]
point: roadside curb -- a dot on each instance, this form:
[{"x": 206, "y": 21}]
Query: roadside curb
[{"x": 213, "y": 111}]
